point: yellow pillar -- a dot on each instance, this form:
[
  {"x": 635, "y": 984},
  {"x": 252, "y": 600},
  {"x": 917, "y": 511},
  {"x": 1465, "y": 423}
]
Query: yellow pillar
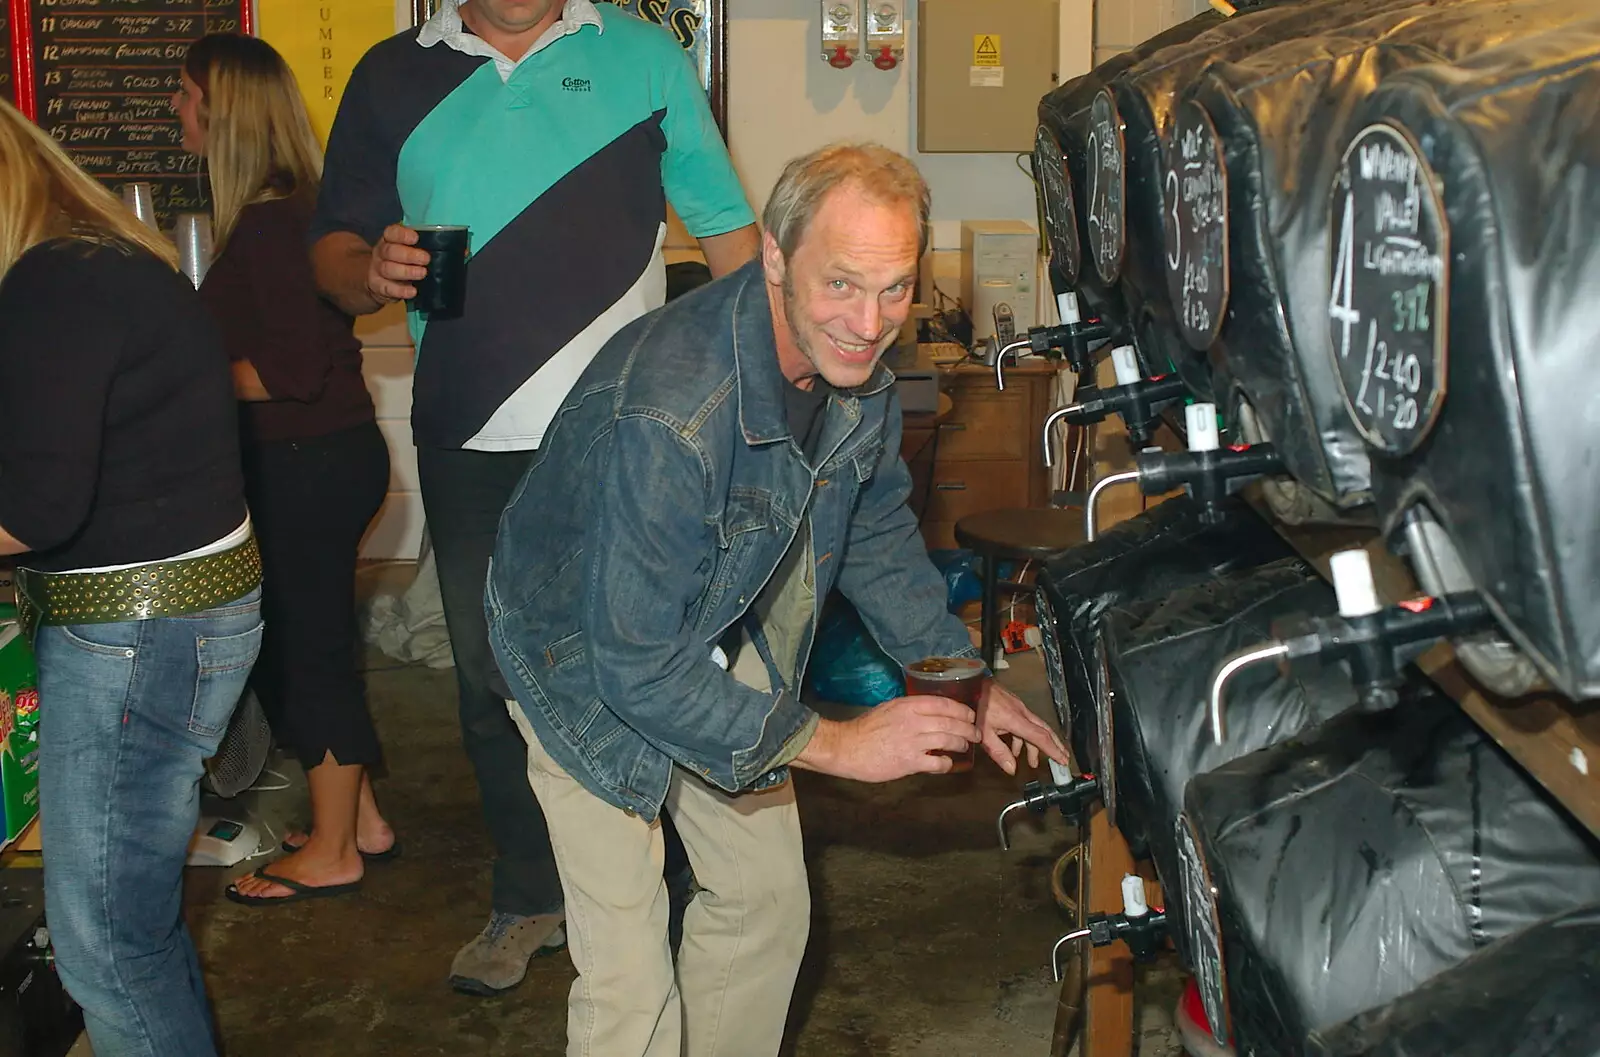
[{"x": 322, "y": 40}]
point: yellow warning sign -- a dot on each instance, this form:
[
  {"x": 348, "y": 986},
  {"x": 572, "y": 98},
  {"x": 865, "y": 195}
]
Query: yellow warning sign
[{"x": 986, "y": 49}]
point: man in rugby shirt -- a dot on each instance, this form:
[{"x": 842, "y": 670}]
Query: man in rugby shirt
[{"x": 558, "y": 131}]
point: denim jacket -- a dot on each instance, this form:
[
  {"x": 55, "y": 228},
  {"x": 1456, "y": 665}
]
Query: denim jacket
[{"x": 660, "y": 504}]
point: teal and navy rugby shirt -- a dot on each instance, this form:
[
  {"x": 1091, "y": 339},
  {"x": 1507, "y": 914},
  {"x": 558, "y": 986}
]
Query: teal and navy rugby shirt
[{"x": 562, "y": 164}]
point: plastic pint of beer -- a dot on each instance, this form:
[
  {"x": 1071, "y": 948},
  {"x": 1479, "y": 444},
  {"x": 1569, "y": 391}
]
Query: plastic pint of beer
[{"x": 958, "y": 678}]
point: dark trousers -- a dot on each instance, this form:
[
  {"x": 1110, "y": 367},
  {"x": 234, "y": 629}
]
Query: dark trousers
[
  {"x": 463, "y": 493},
  {"x": 311, "y": 501}
]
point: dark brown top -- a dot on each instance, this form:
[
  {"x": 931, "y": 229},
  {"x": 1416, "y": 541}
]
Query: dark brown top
[{"x": 264, "y": 297}]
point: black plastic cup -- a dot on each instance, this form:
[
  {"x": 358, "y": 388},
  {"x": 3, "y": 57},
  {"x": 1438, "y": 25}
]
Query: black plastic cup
[{"x": 442, "y": 293}]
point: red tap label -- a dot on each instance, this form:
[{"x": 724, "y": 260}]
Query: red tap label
[{"x": 1417, "y": 605}]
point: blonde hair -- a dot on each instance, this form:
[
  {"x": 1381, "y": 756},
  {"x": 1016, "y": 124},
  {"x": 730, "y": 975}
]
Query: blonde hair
[
  {"x": 259, "y": 145},
  {"x": 882, "y": 174},
  {"x": 44, "y": 195}
]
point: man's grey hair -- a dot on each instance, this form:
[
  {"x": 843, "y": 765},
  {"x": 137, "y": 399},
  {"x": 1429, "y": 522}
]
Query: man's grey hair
[{"x": 880, "y": 173}]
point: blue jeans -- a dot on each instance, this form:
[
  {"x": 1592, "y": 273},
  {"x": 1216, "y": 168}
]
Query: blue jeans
[{"x": 128, "y": 713}]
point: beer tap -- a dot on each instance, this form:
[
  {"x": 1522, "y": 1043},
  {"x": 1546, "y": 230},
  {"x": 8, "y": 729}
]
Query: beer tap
[
  {"x": 1142, "y": 927},
  {"x": 1072, "y": 336},
  {"x": 1136, "y": 398},
  {"x": 1364, "y": 634},
  {"x": 1207, "y": 471},
  {"x": 1067, "y": 793}
]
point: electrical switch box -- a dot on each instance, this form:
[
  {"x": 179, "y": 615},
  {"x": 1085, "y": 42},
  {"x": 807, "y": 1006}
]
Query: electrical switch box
[
  {"x": 982, "y": 66},
  {"x": 886, "y": 32},
  {"x": 841, "y": 32}
]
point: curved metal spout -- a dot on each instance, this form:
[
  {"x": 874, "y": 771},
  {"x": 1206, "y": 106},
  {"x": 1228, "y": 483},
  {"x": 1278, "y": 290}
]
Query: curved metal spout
[
  {"x": 1000, "y": 360},
  {"x": 1055, "y": 952},
  {"x": 1231, "y": 666},
  {"x": 1089, "y": 530},
  {"x": 1000, "y": 825},
  {"x": 1050, "y": 421}
]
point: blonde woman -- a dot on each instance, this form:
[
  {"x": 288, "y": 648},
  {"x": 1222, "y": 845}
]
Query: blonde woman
[
  {"x": 139, "y": 579},
  {"x": 316, "y": 467}
]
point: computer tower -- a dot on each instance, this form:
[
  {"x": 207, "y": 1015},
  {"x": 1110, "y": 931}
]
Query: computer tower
[{"x": 999, "y": 277}]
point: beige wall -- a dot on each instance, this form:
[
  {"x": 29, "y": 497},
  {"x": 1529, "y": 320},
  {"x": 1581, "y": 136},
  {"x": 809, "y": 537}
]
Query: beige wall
[{"x": 1120, "y": 24}]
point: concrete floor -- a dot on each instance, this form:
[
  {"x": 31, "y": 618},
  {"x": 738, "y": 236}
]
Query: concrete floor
[{"x": 928, "y": 940}]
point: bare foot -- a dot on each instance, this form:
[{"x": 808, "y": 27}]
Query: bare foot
[
  {"x": 314, "y": 865},
  {"x": 374, "y": 836}
]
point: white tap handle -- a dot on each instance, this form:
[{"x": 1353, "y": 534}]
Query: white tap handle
[
  {"x": 1126, "y": 365},
  {"x": 1067, "y": 307},
  {"x": 1352, "y": 583},
  {"x": 1059, "y": 773},
  {"x": 1133, "y": 904},
  {"x": 1201, "y": 420}
]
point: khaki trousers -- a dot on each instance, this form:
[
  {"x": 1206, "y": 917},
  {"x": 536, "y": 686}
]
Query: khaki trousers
[{"x": 743, "y": 935}]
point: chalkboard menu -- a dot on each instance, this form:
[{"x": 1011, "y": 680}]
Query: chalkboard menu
[
  {"x": 104, "y": 74},
  {"x": 7, "y": 90},
  {"x": 1055, "y": 195},
  {"x": 1389, "y": 292},
  {"x": 1105, "y": 167},
  {"x": 1195, "y": 196}
]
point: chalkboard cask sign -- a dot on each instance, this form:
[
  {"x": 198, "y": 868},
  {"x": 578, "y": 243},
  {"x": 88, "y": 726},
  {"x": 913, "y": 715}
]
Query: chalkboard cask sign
[
  {"x": 1387, "y": 301},
  {"x": 1055, "y": 195},
  {"x": 98, "y": 75},
  {"x": 1106, "y": 186},
  {"x": 1195, "y": 197}
]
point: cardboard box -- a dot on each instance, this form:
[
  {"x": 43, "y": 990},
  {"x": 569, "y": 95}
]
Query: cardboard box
[{"x": 19, "y": 730}]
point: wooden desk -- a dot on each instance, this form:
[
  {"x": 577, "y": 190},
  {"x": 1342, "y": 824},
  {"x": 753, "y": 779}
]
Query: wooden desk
[
  {"x": 989, "y": 454},
  {"x": 919, "y": 447}
]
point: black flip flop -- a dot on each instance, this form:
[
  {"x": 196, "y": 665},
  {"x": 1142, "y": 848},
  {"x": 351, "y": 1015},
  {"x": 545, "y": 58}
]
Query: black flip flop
[
  {"x": 297, "y": 891},
  {"x": 388, "y": 854}
]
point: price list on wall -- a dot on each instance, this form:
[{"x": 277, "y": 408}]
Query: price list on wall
[
  {"x": 6, "y": 91},
  {"x": 103, "y": 76}
]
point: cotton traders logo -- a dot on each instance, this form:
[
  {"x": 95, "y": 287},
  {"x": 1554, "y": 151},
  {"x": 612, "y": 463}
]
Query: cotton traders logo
[{"x": 577, "y": 84}]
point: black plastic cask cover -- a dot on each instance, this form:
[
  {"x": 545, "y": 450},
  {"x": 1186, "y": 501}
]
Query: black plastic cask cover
[
  {"x": 1159, "y": 660},
  {"x": 1350, "y": 868},
  {"x": 1146, "y": 94},
  {"x": 1284, "y": 114},
  {"x": 1511, "y": 138},
  {"x": 1530, "y": 995},
  {"x": 1146, "y": 557},
  {"x": 1065, "y": 113}
]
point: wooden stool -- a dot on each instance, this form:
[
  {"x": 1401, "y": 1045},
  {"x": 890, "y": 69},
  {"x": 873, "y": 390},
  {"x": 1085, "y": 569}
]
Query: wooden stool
[{"x": 996, "y": 535}]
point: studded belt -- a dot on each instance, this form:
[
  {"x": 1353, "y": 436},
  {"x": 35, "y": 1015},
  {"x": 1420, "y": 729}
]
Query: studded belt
[{"x": 143, "y": 592}]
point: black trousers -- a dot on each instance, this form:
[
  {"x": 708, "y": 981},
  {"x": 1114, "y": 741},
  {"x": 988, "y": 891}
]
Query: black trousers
[
  {"x": 463, "y": 493},
  {"x": 311, "y": 501}
]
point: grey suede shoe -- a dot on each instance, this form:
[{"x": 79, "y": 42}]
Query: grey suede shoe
[{"x": 497, "y": 958}]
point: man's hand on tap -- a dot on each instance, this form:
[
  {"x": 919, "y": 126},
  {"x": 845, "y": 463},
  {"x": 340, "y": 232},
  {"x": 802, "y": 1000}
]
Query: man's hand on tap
[{"x": 1006, "y": 726}]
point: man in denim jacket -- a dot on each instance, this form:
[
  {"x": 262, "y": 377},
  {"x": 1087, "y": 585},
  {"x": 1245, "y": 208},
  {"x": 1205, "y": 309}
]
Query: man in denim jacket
[{"x": 723, "y": 464}]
